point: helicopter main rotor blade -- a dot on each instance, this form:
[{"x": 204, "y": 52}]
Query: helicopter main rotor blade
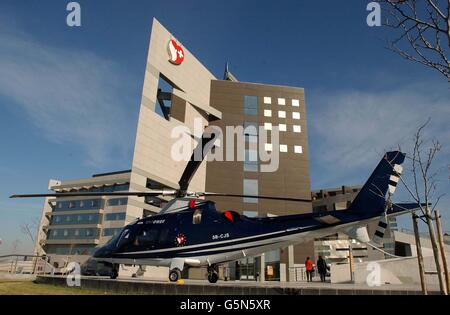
[
  {"x": 204, "y": 146},
  {"x": 102, "y": 194},
  {"x": 206, "y": 194}
]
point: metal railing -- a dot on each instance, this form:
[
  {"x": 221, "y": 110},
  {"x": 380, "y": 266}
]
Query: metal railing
[
  {"x": 26, "y": 264},
  {"x": 297, "y": 274}
]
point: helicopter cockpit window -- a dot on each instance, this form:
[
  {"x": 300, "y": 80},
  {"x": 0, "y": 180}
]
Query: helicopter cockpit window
[
  {"x": 124, "y": 238},
  {"x": 197, "y": 217},
  {"x": 147, "y": 237}
]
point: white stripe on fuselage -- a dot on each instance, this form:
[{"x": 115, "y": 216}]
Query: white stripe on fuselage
[{"x": 215, "y": 243}]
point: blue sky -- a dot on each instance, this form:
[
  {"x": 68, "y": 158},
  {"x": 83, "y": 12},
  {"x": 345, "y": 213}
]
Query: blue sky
[{"x": 69, "y": 97}]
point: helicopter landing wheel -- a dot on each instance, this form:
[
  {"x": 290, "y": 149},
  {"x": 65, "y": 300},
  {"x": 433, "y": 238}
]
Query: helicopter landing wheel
[
  {"x": 114, "y": 273},
  {"x": 175, "y": 275},
  {"x": 213, "y": 277},
  {"x": 213, "y": 274}
]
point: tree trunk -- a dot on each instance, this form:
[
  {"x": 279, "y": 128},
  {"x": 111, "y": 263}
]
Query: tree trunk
[
  {"x": 442, "y": 248},
  {"x": 436, "y": 254},
  {"x": 419, "y": 256}
]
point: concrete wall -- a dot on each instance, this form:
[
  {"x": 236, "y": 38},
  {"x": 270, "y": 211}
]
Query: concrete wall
[{"x": 393, "y": 271}]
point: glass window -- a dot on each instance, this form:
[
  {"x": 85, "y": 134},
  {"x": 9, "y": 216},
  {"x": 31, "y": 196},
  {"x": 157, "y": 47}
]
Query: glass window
[
  {"x": 283, "y": 148},
  {"x": 251, "y": 128},
  {"x": 296, "y": 103},
  {"x": 111, "y": 232},
  {"x": 115, "y": 216},
  {"x": 282, "y": 127},
  {"x": 163, "y": 236},
  {"x": 251, "y": 161},
  {"x": 251, "y": 189},
  {"x": 296, "y": 115},
  {"x": 117, "y": 202},
  {"x": 124, "y": 238},
  {"x": 281, "y": 114},
  {"x": 267, "y": 113},
  {"x": 297, "y": 129},
  {"x": 251, "y": 139},
  {"x": 267, "y": 100},
  {"x": 281, "y": 101},
  {"x": 250, "y": 105},
  {"x": 251, "y": 214},
  {"x": 251, "y": 132},
  {"x": 268, "y": 147},
  {"x": 298, "y": 149},
  {"x": 267, "y": 126},
  {"x": 273, "y": 256},
  {"x": 197, "y": 217}
]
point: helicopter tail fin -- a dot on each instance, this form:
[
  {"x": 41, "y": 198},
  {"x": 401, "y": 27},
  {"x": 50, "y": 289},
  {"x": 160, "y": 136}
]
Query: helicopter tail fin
[{"x": 372, "y": 197}]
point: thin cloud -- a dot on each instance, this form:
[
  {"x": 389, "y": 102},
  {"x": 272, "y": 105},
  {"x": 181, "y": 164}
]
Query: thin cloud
[
  {"x": 71, "y": 97},
  {"x": 350, "y": 130}
]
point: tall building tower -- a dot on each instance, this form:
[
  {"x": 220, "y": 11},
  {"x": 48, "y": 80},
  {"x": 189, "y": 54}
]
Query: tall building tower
[{"x": 252, "y": 106}]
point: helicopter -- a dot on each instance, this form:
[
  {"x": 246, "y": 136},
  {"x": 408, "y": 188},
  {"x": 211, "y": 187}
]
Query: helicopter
[{"x": 190, "y": 232}]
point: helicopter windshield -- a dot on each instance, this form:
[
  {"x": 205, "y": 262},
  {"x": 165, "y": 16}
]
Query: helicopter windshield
[{"x": 124, "y": 238}]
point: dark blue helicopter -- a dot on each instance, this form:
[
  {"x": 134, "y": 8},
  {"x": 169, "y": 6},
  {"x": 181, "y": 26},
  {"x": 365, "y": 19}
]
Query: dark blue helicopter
[{"x": 191, "y": 232}]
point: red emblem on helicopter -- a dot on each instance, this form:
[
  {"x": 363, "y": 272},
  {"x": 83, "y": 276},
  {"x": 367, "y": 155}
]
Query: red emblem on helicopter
[{"x": 180, "y": 240}]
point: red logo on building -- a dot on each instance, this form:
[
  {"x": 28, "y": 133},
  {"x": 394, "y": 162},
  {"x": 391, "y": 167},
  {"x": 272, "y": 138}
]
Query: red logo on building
[{"x": 176, "y": 53}]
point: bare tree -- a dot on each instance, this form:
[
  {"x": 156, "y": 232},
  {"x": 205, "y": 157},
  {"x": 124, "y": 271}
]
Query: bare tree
[
  {"x": 422, "y": 31},
  {"x": 424, "y": 189},
  {"x": 30, "y": 229},
  {"x": 14, "y": 246}
]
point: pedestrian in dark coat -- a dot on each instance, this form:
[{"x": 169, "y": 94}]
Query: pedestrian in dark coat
[{"x": 322, "y": 268}]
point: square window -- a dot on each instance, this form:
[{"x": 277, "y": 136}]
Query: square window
[
  {"x": 281, "y": 114},
  {"x": 281, "y": 101},
  {"x": 282, "y": 127},
  {"x": 267, "y": 126},
  {"x": 296, "y": 103},
  {"x": 267, "y": 113},
  {"x": 268, "y": 147},
  {"x": 283, "y": 148},
  {"x": 297, "y": 129},
  {"x": 296, "y": 115},
  {"x": 298, "y": 149},
  {"x": 267, "y": 100}
]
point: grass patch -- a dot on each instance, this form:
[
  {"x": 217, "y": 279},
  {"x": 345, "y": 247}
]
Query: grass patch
[{"x": 28, "y": 287}]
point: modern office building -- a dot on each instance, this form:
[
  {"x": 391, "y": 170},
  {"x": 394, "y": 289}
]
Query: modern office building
[{"x": 254, "y": 106}]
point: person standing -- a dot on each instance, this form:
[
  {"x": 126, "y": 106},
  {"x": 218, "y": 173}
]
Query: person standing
[
  {"x": 322, "y": 268},
  {"x": 309, "y": 269}
]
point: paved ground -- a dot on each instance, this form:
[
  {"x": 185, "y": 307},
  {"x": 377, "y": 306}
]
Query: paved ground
[
  {"x": 293, "y": 285},
  {"x": 242, "y": 284}
]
